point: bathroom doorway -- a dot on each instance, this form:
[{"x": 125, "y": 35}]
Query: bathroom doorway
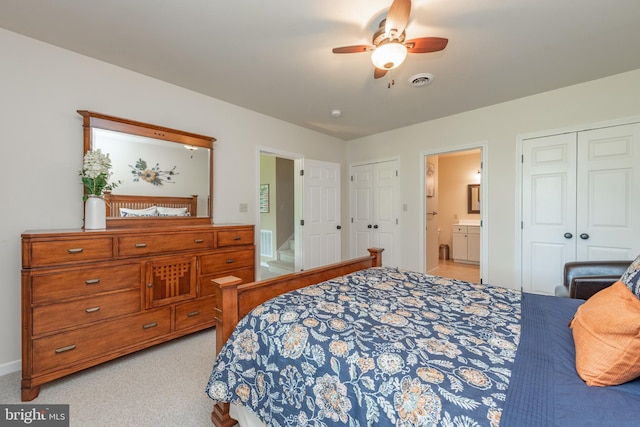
[{"x": 453, "y": 214}]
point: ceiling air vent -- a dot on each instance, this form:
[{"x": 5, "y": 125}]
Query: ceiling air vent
[{"x": 419, "y": 80}]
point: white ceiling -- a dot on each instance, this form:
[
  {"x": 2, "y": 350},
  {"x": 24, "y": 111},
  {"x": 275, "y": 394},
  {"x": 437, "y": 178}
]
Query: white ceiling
[{"x": 274, "y": 57}]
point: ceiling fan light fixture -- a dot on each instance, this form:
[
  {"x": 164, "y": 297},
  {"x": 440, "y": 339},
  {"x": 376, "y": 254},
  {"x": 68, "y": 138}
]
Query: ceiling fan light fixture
[{"x": 389, "y": 55}]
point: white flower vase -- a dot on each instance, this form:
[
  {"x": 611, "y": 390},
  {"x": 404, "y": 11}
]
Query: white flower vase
[{"x": 95, "y": 213}]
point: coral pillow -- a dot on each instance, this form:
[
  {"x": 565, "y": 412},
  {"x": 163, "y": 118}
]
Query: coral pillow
[{"x": 606, "y": 332}]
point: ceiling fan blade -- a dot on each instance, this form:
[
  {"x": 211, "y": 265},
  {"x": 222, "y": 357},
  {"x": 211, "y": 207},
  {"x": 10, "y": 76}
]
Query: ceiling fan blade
[
  {"x": 426, "y": 44},
  {"x": 397, "y": 18},
  {"x": 353, "y": 49},
  {"x": 378, "y": 73}
]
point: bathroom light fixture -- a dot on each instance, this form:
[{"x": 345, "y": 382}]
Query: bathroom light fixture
[{"x": 389, "y": 55}]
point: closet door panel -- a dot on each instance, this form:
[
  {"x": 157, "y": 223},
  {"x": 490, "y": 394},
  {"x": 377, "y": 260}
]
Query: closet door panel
[
  {"x": 608, "y": 196},
  {"x": 549, "y": 210}
]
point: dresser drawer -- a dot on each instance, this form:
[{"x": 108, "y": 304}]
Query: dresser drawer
[
  {"x": 142, "y": 244},
  {"x": 459, "y": 228},
  {"x": 235, "y": 237},
  {"x": 206, "y": 287},
  {"x": 52, "y": 317},
  {"x": 195, "y": 313},
  {"x": 57, "y": 252},
  {"x": 225, "y": 260},
  {"x": 62, "y": 350},
  {"x": 58, "y": 284}
]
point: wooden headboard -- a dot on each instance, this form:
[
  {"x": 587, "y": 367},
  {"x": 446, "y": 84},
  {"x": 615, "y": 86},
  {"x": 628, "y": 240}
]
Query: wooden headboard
[{"x": 117, "y": 201}]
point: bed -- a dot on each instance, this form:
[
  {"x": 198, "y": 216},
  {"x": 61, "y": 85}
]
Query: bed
[{"x": 376, "y": 346}]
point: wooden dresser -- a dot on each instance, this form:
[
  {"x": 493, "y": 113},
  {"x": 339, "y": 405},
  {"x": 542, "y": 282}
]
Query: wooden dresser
[{"x": 92, "y": 296}]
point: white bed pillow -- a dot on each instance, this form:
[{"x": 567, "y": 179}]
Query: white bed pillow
[
  {"x": 152, "y": 211},
  {"x": 172, "y": 211}
]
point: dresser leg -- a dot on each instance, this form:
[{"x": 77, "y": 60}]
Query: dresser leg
[
  {"x": 220, "y": 416},
  {"x": 30, "y": 393}
]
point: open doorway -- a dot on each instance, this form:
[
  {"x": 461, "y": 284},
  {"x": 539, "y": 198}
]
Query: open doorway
[
  {"x": 276, "y": 248},
  {"x": 453, "y": 214}
]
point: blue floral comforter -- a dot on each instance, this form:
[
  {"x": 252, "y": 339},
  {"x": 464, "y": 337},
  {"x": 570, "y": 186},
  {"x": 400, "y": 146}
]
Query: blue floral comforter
[{"x": 379, "y": 347}]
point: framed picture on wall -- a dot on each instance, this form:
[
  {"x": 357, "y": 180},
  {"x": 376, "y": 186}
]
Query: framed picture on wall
[
  {"x": 264, "y": 198},
  {"x": 431, "y": 181}
]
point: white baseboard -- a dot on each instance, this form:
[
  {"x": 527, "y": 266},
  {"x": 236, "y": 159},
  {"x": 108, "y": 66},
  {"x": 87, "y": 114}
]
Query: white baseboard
[{"x": 10, "y": 367}]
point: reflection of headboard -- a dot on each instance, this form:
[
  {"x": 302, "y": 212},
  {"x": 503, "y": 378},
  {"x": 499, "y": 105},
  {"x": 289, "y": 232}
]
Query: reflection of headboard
[{"x": 117, "y": 201}]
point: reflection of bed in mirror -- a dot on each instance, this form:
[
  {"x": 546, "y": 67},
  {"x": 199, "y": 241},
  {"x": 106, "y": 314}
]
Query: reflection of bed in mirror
[{"x": 117, "y": 204}]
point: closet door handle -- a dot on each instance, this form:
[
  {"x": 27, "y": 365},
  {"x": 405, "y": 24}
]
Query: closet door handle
[
  {"x": 375, "y": 226},
  {"x": 369, "y": 226},
  {"x": 584, "y": 236},
  {"x": 568, "y": 235}
]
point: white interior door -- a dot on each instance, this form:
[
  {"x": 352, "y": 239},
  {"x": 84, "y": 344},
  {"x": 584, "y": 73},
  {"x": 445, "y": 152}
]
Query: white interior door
[
  {"x": 608, "y": 224},
  {"x": 362, "y": 209},
  {"x": 548, "y": 210},
  {"x": 321, "y": 243},
  {"x": 386, "y": 211},
  {"x": 375, "y": 210}
]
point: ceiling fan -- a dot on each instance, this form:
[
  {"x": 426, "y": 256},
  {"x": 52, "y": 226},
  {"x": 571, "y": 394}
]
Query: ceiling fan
[{"x": 389, "y": 48}]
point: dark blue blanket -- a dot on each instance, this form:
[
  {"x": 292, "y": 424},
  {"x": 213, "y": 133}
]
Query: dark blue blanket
[{"x": 545, "y": 389}]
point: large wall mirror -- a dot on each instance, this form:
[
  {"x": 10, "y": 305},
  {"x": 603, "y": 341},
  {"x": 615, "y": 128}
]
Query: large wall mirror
[
  {"x": 473, "y": 198},
  {"x": 157, "y": 167}
]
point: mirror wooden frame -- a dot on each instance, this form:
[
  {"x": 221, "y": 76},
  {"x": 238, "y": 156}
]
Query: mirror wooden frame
[
  {"x": 92, "y": 120},
  {"x": 473, "y": 192}
]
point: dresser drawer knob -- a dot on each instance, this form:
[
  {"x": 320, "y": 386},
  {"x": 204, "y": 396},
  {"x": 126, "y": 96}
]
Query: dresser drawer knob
[
  {"x": 67, "y": 348},
  {"x": 199, "y": 241},
  {"x": 149, "y": 285},
  {"x": 150, "y": 325},
  {"x": 237, "y": 238},
  {"x": 75, "y": 250},
  {"x": 141, "y": 245},
  {"x": 92, "y": 281},
  {"x": 92, "y": 309},
  {"x": 230, "y": 261},
  {"x": 193, "y": 313}
]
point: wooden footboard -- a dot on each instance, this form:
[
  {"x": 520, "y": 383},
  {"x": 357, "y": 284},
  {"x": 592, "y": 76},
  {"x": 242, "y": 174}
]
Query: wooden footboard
[{"x": 235, "y": 300}]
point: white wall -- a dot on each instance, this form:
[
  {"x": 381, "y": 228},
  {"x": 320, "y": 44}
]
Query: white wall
[
  {"x": 600, "y": 100},
  {"x": 42, "y": 86}
]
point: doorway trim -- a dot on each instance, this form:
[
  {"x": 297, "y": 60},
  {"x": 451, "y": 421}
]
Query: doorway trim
[
  {"x": 297, "y": 158},
  {"x": 484, "y": 201}
]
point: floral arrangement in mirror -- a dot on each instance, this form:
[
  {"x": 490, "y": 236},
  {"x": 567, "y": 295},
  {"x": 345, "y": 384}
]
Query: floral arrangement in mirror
[{"x": 95, "y": 174}]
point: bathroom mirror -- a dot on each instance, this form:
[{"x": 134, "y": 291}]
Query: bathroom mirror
[
  {"x": 473, "y": 198},
  {"x": 155, "y": 166}
]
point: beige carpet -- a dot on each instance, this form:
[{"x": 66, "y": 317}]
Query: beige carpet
[{"x": 160, "y": 386}]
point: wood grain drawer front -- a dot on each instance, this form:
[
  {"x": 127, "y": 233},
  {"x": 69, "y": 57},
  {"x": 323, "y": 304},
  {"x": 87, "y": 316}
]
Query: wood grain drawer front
[
  {"x": 206, "y": 287},
  {"x": 194, "y": 313},
  {"x": 59, "y": 284},
  {"x": 70, "y": 251},
  {"x": 235, "y": 237},
  {"x": 62, "y": 350},
  {"x": 164, "y": 243},
  {"x": 227, "y": 260},
  {"x": 49, "y": 318}
]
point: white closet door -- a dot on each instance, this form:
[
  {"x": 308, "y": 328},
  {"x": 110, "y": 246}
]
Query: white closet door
[
  {"x": 580, "y": 201},
  {"x": 386, "y": 205},
  {"x": 608, "y": 221},
  {"x": 548, "y": 210},
  {"x": 361, "y": 210},
  {"x": 375, "y": 209}
]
